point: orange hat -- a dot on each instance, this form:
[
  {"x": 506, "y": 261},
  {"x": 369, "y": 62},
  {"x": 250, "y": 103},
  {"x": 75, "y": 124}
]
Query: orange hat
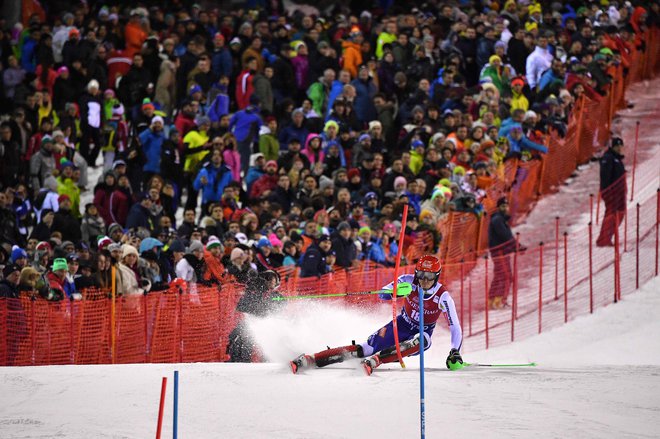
[{"x": 74, "y": 32}]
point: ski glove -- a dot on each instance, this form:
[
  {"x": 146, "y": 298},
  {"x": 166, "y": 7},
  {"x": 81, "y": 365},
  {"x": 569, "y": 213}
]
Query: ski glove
[{"x": 454, "y": 360}]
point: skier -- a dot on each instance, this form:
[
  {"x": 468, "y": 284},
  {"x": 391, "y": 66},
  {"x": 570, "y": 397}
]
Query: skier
[{"x": 379, "y": 347}]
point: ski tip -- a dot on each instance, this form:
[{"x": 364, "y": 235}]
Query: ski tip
[
  {"x": 533, "y": 364},
  {"x": 294, "y": 367},
  {"x": 368, "y": 370}
]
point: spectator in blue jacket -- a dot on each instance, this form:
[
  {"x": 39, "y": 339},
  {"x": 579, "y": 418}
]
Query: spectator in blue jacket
[
  {"x": 518, "y": 142},
  {"x": 245, "y": 126},
  {"x": 221, "y": 62},
  {"x": 140, "y": 214},
  {"x": 29, "y": 50},
  {"x": 152, "y": 140},
  {"x": 365, "y": 90},
  {"x": 256, "y": 170},
  {"x": 296, "y": 129},
  {"x": 212, "y": 180},
  {"x": 314, "y": 261},
  {"x": 220, "y": 104}
]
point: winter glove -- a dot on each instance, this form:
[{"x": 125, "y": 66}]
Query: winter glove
[{"x": 454, "y": 360}]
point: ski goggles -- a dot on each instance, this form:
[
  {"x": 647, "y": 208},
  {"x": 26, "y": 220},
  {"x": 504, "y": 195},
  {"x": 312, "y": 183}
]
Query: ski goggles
[{"x": 426, "y": 275}]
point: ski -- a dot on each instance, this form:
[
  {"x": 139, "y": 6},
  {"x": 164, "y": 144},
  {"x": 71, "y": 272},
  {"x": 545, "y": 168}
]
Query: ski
[{"x": 499, "y": 365}]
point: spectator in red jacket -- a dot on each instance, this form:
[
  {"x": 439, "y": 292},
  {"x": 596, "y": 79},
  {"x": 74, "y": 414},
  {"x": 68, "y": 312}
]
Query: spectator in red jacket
[
  {"x": 244, "y": 86},
  {"x": 267, "y": 182}
]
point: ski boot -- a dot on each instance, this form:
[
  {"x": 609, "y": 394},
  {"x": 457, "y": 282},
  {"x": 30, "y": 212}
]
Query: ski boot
[
  {"x": 301, "y": 362},
  {"x": 370, "y": 363}
]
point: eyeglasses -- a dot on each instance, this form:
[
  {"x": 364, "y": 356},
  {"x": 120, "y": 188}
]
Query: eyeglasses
[{"x": 426, "y": 275}]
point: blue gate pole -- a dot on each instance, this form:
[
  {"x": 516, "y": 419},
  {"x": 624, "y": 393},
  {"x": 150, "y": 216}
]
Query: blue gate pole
[
  {"x": 175, "y": 415},
  {"x": 422, "y": 408}
]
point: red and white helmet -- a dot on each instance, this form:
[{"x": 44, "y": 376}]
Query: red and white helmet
[{"x": 428, "y": 267}]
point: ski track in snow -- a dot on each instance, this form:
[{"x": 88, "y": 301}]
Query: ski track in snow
[{"x": 598, "y": 377}]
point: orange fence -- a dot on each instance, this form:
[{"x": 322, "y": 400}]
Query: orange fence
[{"x": 550, "y": 283}]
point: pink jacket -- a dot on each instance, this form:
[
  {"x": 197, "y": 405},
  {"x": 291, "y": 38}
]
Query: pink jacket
[{"x": 233, "y": 161}]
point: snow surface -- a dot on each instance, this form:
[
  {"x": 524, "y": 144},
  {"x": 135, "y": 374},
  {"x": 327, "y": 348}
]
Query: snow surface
[{"x": 597, "y": 378}]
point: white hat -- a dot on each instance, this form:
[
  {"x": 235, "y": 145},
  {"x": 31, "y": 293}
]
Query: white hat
[
  {"x": 157, "y": 119},
  {"x": 93, "y": 84},
  {"x": 213, "y": 241},
  {"x": 128, "y": 250},
  {"x": 241, "y": 237}
]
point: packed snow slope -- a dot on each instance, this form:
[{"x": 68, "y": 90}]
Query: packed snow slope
[{"x": 597, "y": 378}]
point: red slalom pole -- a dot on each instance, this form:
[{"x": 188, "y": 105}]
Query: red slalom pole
[
  {"x": 625, "y": 231},
  {"x": 395, "y": 310},
  {"x": 163, "y": 389},
  {"x": 540, "y": 285},
  {"x": 556, "y": 257},
  {"x": 634, "y": 167},
  {"x": 591, "y": 270},
  {"x": 637, "y": 250},
  {"x": 591, "y": 208},
  {"x": 657, "y": 224},
  {"x": 565, "y": 277},
  {"x": 470, "y": 306},
  {"x": 462, "y": 287},
  {"x": 486, "y": 295},
  {"x": 616, "y": 260}
]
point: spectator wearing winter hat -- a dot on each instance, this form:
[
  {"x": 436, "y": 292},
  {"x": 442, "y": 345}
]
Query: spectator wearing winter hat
[
  {"x": 19, "y": 256},
  {"x": 9, "y": 284},
  {"x": 191, "y": 267},
  {"x": 264, "y": 255},
  {"x": 245, "y": 125},
  {"x": 361, "y": 148},
  {"x": 151, "y": 141},
  {"x": 212, "y": 180},
  {"x": 267, "y": 182},
  {"x": 92, "y": 225},
  {"x": 42, "y": 163},
  {"x": 239, "y": 266},
  {"x": 129, "y": 281},
  {"x": 215, "y": 270},
  {"x": 56, "y": 278},
  {"x": 314, "y": 261},
  {"x": 67, "y": 186},
  {"x": 91, "y": 104}
]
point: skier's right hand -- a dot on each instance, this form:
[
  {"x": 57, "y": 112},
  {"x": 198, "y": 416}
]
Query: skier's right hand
[{"x": 454, "y": 360}]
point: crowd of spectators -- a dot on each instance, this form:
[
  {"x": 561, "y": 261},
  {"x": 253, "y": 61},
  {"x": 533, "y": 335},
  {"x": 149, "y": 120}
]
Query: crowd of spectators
[{"x": 237, "y": 142}]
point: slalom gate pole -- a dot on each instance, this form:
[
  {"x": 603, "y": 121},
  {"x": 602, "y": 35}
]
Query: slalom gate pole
[
  {"x": 591, "y": 270},
  {"x": 632, "y": 185},
  {"x": 395, "y": 310},
  {"x": 565, "y": 277},
  {"x": 637, "y": 249},
  {"x": 556, "y": 257},
  {"x": 161, "y": 408},
  {"x": 175, "y": 412},
  {"x": 113, "y": 315},
  {"x": 422, "y": 407}
]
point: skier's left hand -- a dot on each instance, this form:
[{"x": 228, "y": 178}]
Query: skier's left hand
[{"x": 454, "y": 360}]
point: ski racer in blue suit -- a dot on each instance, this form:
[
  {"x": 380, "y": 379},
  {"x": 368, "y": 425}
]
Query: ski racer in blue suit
[{"x": 380, "y": 346}]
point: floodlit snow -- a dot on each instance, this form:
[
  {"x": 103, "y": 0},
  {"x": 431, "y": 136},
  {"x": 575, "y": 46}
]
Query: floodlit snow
[{"x": 597, "y": 377}]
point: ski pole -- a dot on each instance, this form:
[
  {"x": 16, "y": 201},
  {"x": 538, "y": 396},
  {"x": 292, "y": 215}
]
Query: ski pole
[
  {"x": 500, "y": 365},
  {"x": 403, "y": 289}
]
